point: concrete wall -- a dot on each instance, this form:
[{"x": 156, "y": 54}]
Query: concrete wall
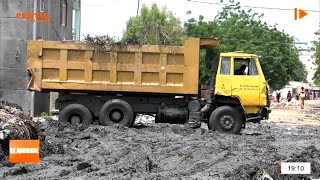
[
  {"x": 13, "y": 36},
  {"x": 53, "y": 30}
]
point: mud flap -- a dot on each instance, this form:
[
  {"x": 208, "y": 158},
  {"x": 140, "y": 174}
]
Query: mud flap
[
  {"x": 244, "y": 121},
  {"x": 265, "y": 113},
  {"x": 194, "y": 120}
]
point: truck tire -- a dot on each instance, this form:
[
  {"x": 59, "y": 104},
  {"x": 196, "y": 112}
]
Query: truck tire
[
  {"x": 116, "y": 111},
  {"x": 75, "y": 113},
  {"x": 225, "y": 119}
]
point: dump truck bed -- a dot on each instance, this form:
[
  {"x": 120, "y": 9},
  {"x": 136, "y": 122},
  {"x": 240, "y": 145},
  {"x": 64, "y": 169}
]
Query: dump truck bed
[{"x": 70, "y": 66}]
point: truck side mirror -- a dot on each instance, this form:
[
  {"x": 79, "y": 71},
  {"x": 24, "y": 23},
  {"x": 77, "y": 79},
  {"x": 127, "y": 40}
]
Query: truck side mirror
[{"x": 270, "y": 75}]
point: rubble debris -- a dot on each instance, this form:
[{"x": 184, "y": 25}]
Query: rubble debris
[
  {"x": 19, "y": 171},
  {"x": 83, "y": 165},
  {"x": 64, "y": 173},
  {"x": 14, "y": 124},
  {"x": 100, "y": 43},
  {"x": 105, "y": 43},
  {"x": 144, "y": 119},
  {"x": 284, "y": 104}
]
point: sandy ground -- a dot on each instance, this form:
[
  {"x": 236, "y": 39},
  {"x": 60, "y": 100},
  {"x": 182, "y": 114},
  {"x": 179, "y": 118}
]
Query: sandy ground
[
  {"x": 294, "y": 115},
  {"x": 164, "y": 151}
]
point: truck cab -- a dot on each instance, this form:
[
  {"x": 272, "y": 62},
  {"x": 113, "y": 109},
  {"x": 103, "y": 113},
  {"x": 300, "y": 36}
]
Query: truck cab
[
  {"x": 240, "y": 88},
  {"x": 249, "y": 87}
]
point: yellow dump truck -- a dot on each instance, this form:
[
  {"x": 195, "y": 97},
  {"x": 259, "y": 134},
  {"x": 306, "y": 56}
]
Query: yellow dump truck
[{"x": 122, "y": 81}]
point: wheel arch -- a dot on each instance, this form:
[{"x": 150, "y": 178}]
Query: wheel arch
[{"x": 233, "y": 101}]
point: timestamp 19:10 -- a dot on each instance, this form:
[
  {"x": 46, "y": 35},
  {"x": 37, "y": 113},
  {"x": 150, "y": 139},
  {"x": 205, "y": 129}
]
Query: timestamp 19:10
[{"x": 295, "y": 168}]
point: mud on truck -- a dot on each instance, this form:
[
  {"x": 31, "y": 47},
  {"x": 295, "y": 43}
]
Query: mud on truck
[{"x": 115, "y": 85}]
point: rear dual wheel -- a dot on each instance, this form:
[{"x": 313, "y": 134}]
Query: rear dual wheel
[
  {"x": 116, "y": 112},
  {"x": 75, "y": 114}
]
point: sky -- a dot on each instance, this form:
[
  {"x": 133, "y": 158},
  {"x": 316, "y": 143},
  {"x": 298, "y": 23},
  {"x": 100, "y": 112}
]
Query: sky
[
  {"x": 110, "y": 16},
  {"x": 101, "y": 17}
]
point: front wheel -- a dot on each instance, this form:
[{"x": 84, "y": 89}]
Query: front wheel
[{"x": 225, "y": 119}]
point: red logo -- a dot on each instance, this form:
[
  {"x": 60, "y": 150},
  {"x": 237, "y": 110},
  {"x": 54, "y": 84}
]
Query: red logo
[
  {"x": 302, "y": 14},
  {"x": 34, "y": 17}
]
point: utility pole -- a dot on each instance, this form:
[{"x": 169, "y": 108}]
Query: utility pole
[
  {"x": 34, "y": 37},
  {"x": 138, "y": 7}
]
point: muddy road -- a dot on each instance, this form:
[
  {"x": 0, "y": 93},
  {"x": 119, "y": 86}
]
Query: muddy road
[{"x": 163, "y": 151}]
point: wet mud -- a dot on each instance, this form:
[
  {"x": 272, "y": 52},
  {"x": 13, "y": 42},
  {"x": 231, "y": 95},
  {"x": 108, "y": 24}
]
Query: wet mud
[{"x": 164, "y": 151}]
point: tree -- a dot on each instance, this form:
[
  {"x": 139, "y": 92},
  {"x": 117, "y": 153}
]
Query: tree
[
  {"x": 240, "y": 30},
  {"x": 316, "y": 76},
  {"x": 154, "y": 26}
]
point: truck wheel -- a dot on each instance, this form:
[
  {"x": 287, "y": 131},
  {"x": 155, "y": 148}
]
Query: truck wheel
[
  {"x": 116, "y": 111},
  {"x": 225, "y": 119},
  {"x": 75, "y": 113}
]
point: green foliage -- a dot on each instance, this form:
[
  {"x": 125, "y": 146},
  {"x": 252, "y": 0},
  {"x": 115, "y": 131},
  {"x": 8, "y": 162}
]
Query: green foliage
[
  {"x": 241, "y": 30},
  {"x": 154, "y": 26},
  {"x": 44, "y": 115},
  {"x": 316, "y": 76}
]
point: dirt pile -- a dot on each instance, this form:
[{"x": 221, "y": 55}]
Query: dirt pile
[
  {"x": 284, "y": 104},
  {"x": 14, "y": 124}
]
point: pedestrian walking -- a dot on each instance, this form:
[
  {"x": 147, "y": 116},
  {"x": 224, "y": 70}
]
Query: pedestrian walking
[
  {"x": 289, "y": 96},
  {"x": 302, "y": 96},
  {"x": 278, "y": 95}
]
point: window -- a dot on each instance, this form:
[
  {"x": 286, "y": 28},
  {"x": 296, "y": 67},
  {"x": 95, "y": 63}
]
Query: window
[
  {"x": 240, "y": 66},
  {"x": 63, "y": 12},
  {"x": 225, "y": 66},
  {"x": 41, "y": 6},
  {"x": 245, "y": 66},
  {"x": 253, "y": 68}
]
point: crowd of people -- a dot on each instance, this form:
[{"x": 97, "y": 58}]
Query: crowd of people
[{"x": 301, "y": 96}]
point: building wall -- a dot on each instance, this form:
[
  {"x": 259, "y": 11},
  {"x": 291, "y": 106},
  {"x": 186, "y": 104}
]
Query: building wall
[
  {"x": 308, "y": 60},
  {"x": 14, "y": 34}
]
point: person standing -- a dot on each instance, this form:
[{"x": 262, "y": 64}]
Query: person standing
[
  {"x": 302, "y": 97},
  {"x": 241, "y": 71},
  {"x": 278, "y": 96},
  {"x": 289, "y": 96}
]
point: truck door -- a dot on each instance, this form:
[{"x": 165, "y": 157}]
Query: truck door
[
  {"x": 246, "y": 84},
  {"x": 224, "y": 78}
]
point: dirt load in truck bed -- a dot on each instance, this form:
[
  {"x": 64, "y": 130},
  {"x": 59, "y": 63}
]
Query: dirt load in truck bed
[{"x": 164, "y": 151}]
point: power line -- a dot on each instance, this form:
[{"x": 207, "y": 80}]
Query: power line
[
  {"x": 264, "y": 42},
  {"x": 93, "y": 5},
  {"x": 254, "y": 7}
]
